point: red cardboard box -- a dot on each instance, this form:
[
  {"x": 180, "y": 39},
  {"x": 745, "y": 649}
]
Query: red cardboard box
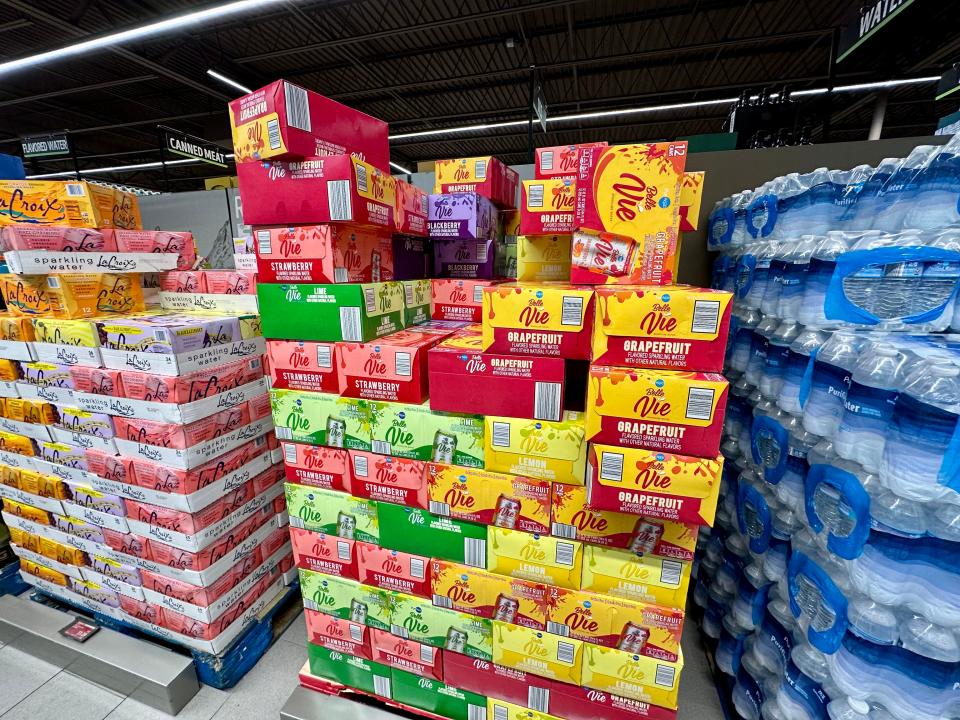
[
  {"x": 546, "y": 206},
  {"x": 391, "y": 368},
  {"x": 316, "y": 190},
  {"x": 485, "y": 176},
  {"x": 486, "y": 678},
  {"x": 323, "y": 254},
  {"x": 388, "y": 479},
  {"x": 336, "y": 634},
  {"x": 561, "y": 161},
  {"x": 317, "y": 466},
  {"x": 458, "y": 299},
  {"x": 573, "y": 702},
  {"x": 324, "y": 553},
  {"x": 393, "y": 570},
  {"x": 408, "y": 655},
  {"x": 283, "y": 121},
  {"x": 410, "y": 212},
  {"x": 465, "y": 379},
  {"x": 298, "y": 365}
]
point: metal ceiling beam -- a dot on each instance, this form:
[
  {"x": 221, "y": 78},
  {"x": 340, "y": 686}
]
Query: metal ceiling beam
[
  {"x": 80, "y": 89},
  {"x": 14, "y": 25},
  {"x": 30, "y": 10}
]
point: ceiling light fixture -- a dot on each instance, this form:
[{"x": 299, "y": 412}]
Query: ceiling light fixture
[
  {"x": 176, "y": 23},
  {"x": 227, "y": 81},
  {"x": 401, "y": 168},
  {"x": 115, "y": 168}
]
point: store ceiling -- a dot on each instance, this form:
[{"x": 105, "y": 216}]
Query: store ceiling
[{"x": 424, "y": 64}]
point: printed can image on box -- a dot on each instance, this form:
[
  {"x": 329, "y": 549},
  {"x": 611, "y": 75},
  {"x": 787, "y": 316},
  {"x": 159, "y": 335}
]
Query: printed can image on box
[
  {"x": 391, "y": 368},
  {"x": 343, "y": 636},
  {"x": 631, "y": 190},
  {"x": 538, "y": 319},
  {"x": 555, "y": 451},
  {"x": 433, "y": 696},
  {"x": 644, "y": 578},
  {"x": 393, "y": 570},
  {"x": 656, "y": 485},
  {"x": 540, "y": 653},
  {"x": 330, "y": 313},
  {"x": 285, "y": 121},
  {"x": 321, "y": 419},
  {"x": 604, "y": 258},
  {"x": 546, "y": 206},
  {"x": 333, "y": 513},
  {"x": 463, "y": 377},
  {"x": 407, "y": 655},
  {"x": 411, "y": 209},
  {"x": 457, "y": 299},
  {"x": 323, "y": 254},
  {"x": 316, "y": 466},
  {"x": 631, "y": 675},
  {"x": 486, "y": 176},
  {"x": 484, "y": 677},
  {"x": 634, "y": 627},
  {"x": 539, "y": 558},
  {"x": 561, "y": 161},
  {"x": 489, "y": 498},
  {"x": 299, "y": 365},
  {"x": 388, "y": 479},
  {"x": 543, "y": 258},
  {"x": 461, "y": 215},
  {"x": 324, "y": 553},
  {"x": 670, "y": 411},
  {"x": 571, "y": 517},
  {"x": 486, "y": 594},
  {"x": 349, "y": 670},
  {"x": 316, "y": 190},
  {"x": 673, "y": 328},
  {"x": 420, "y": 433},
  {"x": 414, "y": 530},
  {"x": 415, "y": 618}
]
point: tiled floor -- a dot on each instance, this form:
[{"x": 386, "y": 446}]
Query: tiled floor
[{"x": 35, "y": 689}]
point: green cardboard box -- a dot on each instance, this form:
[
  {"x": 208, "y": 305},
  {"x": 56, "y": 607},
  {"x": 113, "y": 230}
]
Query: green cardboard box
[
  {"x": 355, "y": 312},
  {"x": 351, "y": 671},
  {"x": 321, "y": 419},
  {"x": 415, "y": 618},
  {"x": 417, "y": 531},
  {"x": 332, "y": 512},
  {"x": 329, "y": 594},
  {"x": 416, "y": 301},
  {"x": 436, "y": 697},
  {"x": 417, "y": 432}
]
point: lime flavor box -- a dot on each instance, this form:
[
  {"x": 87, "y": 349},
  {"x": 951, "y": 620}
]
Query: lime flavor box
[
  {"x": 328, "y": 313},
  {"x": 321, "y": 419},
  {"x": 436, "y": 697},
  {"x": 417, "y": 432},
  {"x": 414, "y": 618},
  {"x": 355, "y": 672},
  {"x": 332, "y": 513},
  {"x": 414, "y": 530}
]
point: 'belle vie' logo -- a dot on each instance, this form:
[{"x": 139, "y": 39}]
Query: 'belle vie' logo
[
  {"x": 534, "y": 314},
  {"x": 633, "y": 192},
  {"x": 652, "y": 404}
]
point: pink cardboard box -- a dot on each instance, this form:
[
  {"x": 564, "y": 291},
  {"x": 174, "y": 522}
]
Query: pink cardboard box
[
  {"x": 407, "y": 655},
  {"x": 388, "y": 479},
  {"x": 455, "y": 299},
  {"x": 317, "y": 466},
  {"x": 316, "y": 190},
  {"x": 109, "y": 466},
  {"x": 561, "y": 161},
  {"x": 323, "y": 254},
  {"x": 298, "y": 365},
  {"x": 410, "y": 212},
  {"x": 201, "y": 560},
  {"x": 393, "y": 570},
  {"x": 173, "y": 435},
  {"x": 323, "y": 553},
  {"x": 97, "y": 380},
  {"x": 184, "y": 281},
  {"x": 333, "y": 633},
  {"x": 160, "y": 477},
  {"x": 284, "y": 121},
  {"x": 61, "y": 239},
  {"x": 154, "y": 241},
  {"x": 392, "y": 368},
  {"x": 188, "y": 388},
  {"x": 231, "y": 282},
  {"x": 140, "y": 610}
]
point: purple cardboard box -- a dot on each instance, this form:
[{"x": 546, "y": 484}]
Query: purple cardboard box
[
  {"x": 467, "y": 216},
  {"x": 465, "y": 259},
  {"x": 412, "y": 257}
]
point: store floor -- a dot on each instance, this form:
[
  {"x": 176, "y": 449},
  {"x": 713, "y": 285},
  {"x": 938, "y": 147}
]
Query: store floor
[{"x": 33, "y": 689}]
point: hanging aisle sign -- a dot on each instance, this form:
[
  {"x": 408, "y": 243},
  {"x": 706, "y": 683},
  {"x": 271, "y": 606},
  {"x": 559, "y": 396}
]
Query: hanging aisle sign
[
  {"x": 864, "y": 20},
  {"x": 194, "y": 147},
  {"x": 45, "y": 145}
]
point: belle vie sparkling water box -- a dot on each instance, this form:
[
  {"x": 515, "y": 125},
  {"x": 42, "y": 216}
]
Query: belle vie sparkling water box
[
  {"x": 412, "y": 530},
  {"x": 644, "y": 578},
  {"x": 300, "y": 365},
  {"x": 486, "y": 176},
  {"x": 323, "y": 254},
  {"x": 321, "y": 419},
  {"x": 356, "y": 672},
  {"x": 437, "y": 697},
  {"x": 391, "y": 368},
  {"x": 547, "y": 205},
  {"x": 541, "y": 653},
  {"x": 337, "y": 634},
  {"x": 539, "y": 558},
  {"x": 555, "y": 451},
  {"x": 389, "y": 479},
  {"x": 489, "y": 595},
  {"x": 417, "y": 432},
  {"x": 324, "y": 553},
  {"x": 406, "y": 654},
  {"x": 631, "y": 675},
  {"x": 390, "y": 569},
  {"x": 333, "y": 513},
  {"x": 316, "y": 466},
  {"x": 416, "y": 618},
  {"x": 484, "y": 677}
]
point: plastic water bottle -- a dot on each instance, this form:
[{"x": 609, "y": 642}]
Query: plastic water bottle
[
  {"x": 823, "y": 262},
  {"x": 861, "y": 214},
  {"x": 761, "y": 212},
  {"x": 789, "y": 223},
  {"x": 793, "y": 280},
  {"x": 720, "y": 224},
  {"x": 869, "y": 404},
  {"x": 818, "y": 202},
  {"x": 898, "y": 295},
  {"x": 739, "y": 354},
  {"x": 760, "y": 255},
  {"x": 781, "y": 251},
  {"x": 939, "y": 282},
  {"x": 759, "y": 347},
  {"x": 778, "y": 356},
  {"x": 935, "y": 202},
  {"x": 741, "y": 201},
  {"x": 830, "y": 382},
  {"x": 922, "y": 425},
  {"x": 852, "y": 183},
  {"x": 848, "y": 708},
  {"x": 862, "y": 288},
  {"x": 806, "y": 343},
  {"x": 897, "y": 193}
]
